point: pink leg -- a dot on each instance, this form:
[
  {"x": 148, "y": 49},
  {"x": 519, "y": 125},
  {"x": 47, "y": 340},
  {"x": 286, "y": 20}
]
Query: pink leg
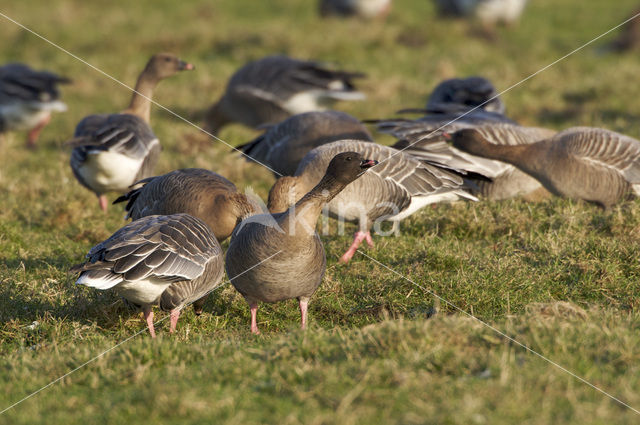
[
  {"x": 174, "y": 320},
  {"x": 357, "y": 240},
  {"x": 148, "y": 316},
  {"x": 303, "y": 313},
  {"x": 367, "y": 237},
  {"x": 32, "y": 137},
  {"x": 254, "y": 318},
  {"x": 103, "y": 201}
]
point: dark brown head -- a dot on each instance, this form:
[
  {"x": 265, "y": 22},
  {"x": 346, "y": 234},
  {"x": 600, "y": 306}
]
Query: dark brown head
[
  {"x": 348, "y": 166},
  {"x": 468, "y": 140},
  {"x": 163, "y": 65}
]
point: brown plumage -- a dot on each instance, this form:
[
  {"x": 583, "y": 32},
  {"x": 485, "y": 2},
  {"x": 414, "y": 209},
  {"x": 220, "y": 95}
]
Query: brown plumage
[
  {"x": 165, "y": 260},
  {"x": 280, "y": 256},
  {"x": 112, "y": 151},
  {"x": 592, "y": 164}
]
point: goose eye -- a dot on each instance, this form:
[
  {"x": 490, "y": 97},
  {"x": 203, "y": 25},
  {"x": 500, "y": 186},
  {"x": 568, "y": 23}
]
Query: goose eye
[{"x": 348, "y": 158}]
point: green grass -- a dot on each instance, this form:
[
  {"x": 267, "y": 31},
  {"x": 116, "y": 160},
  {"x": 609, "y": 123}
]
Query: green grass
[{"x": 556, "y": 275}]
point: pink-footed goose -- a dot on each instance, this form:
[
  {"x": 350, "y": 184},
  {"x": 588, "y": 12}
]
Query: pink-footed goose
[
  {"x": 278, "y": 257},
  {"x": 489, "y": 12},
  {"x": 394, "y": 189},
  {"x": 282, "y": 146},
  {"x": 367, "y": 9},
  {"x": 165, "y": 260},
  {"x": 425, "y": 139},
  {"x": 112, "y": 151},
  {"x": 268, "y": 90},
  {"x": 461, "y": 94},
  {"x": 592, "y": 164},
  {"x": 201, "y": 193},
  {"x": 27, "y": 98}
]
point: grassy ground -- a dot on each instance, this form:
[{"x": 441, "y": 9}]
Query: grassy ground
[{"x": 559, "y": 276}]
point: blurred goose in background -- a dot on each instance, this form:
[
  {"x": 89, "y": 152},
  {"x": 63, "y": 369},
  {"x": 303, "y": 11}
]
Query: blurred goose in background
[
  {"x": 392, "y": 190},
  {"x": 592, "y": 164},
  {"x": 462, "y": 94},
  {"x": 488, "y": 12},
  {"x": 268, "y": 90},
  {"x": 367, "y": 9},
  {"x": 112, "y": 151},
  {"x": 278, "y": 257},
  {"x": 424, "y": 139},
  {"x": 168, "y": 261},
  {"x": 27, "y": 98},
  {"x": 629, "y": 37},
  {"x": 282, "y": 146}
]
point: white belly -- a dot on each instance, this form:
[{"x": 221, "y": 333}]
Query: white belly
[
  {"x": 23, "y": 116},
  {"x": 303, "y": 102},
  {"x": 145, "y": 291},
  {"x": 106, "y": 171}
]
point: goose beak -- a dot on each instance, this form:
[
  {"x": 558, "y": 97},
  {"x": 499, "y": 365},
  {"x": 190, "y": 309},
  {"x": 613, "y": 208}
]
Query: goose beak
[
  {"x": 185, "y": 66},
  {"x": 446, "y": 136},
  {"x": 368, "y": 163}
]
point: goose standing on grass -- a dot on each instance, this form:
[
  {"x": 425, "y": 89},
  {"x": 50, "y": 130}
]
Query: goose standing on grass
[
  {"x": 283, "y": 145},
  {"x": 165, "y": 260},
  {"x": 27, "y": 98},
  {"x": 462, "y": 94},
  {"x": 367, "y": 9},
  {"x": 278, "y": 257},
  {"x": 592, "y": 164},
  {"x": 268, "y": 90},
  {"x": 488, "y": 12},
  {"x": 112, "y": 151},
  {"x": 194, "y": 191},
  {"x": 394, "y": 189},
  {"x": 425, "y": 139}
]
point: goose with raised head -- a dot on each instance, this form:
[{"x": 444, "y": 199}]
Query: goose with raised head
[
  {"x": 268, "y": 90},
  {"x": 592, "y": 164},
  {"x": 397, "y": 187},
  {"x": 278, "y": 257},
  {"x": 282, "y": 146},
  {"x": 112, "y": 151},
  {"x": 27, "y": 98},
  {"x": 165, "y": 260},
  {"x": 425, "y": 139}
]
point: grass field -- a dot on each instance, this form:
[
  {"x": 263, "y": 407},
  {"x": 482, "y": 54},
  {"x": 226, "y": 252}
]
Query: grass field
[{"x": 559, "y": 276}]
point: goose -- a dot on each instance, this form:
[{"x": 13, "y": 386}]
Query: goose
[
  {"x": 27, "y": 98},
  {"x": 592, "y": 164},
  {"x": 165, "y": 260},
  {"x": 268, "y": 90},
  {"x": 489, "y": 12},
  {"x": 462, "y": 94},
  {"x": 367, "y": 9},
  {"x": 278, "y": 257},
  {"x": 112, "y": 151},
  {"x": 394, "y": 189},
  {"x": 628, "y": 38},
  {"x": 283, "y": 145},
  {"x": 425, "y": 139}
]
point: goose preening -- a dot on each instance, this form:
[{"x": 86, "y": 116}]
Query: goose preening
[
  {"x": 394, "y": 189},
  {"x": 425, "y": 139},
  {"x": 462, "y": 94},
  {"x": 282, "y": 146},
  {"x": 489, "y": 12},
  {"x": 112, "y": 151},
  {"x": 165, "y": 260},
  {"x": 367, "y": 9},
  {"x": 268, "y": 90},
  {"x": 592, "y": 164},
  {"x": 279, "y": 257},
  {"x": 195, "y": 191},
  {"x": 27, "y": 98}
]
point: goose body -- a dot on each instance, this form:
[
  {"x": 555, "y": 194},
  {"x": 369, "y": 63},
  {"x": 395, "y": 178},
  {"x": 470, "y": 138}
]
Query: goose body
[
  {"x": 398, "y": 186},
  {"x": 489, "y": 12},
  {"x": 168, "y": 261},
  {"x": 112, "y": 151},
  {"x": 268, "y": 90},
  {"x": 200, "y": 193},
  {"x": 592, "y": 164},
  {"x": 277, "y": 257},
  {"x": 27, "y": 98},
  {"x": 460, "y": 94},
  {"x": 367, "y": 9},
  {"x": 282, "y": 146}
]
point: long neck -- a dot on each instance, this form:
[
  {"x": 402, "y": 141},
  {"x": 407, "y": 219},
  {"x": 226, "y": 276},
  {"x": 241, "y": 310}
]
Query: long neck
[
  {"x": 215, "y": 118},
  {"x": 140, "y": 104},
  {"x": 306, "y": 211},
  {"x": 524, "y": 156}
]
